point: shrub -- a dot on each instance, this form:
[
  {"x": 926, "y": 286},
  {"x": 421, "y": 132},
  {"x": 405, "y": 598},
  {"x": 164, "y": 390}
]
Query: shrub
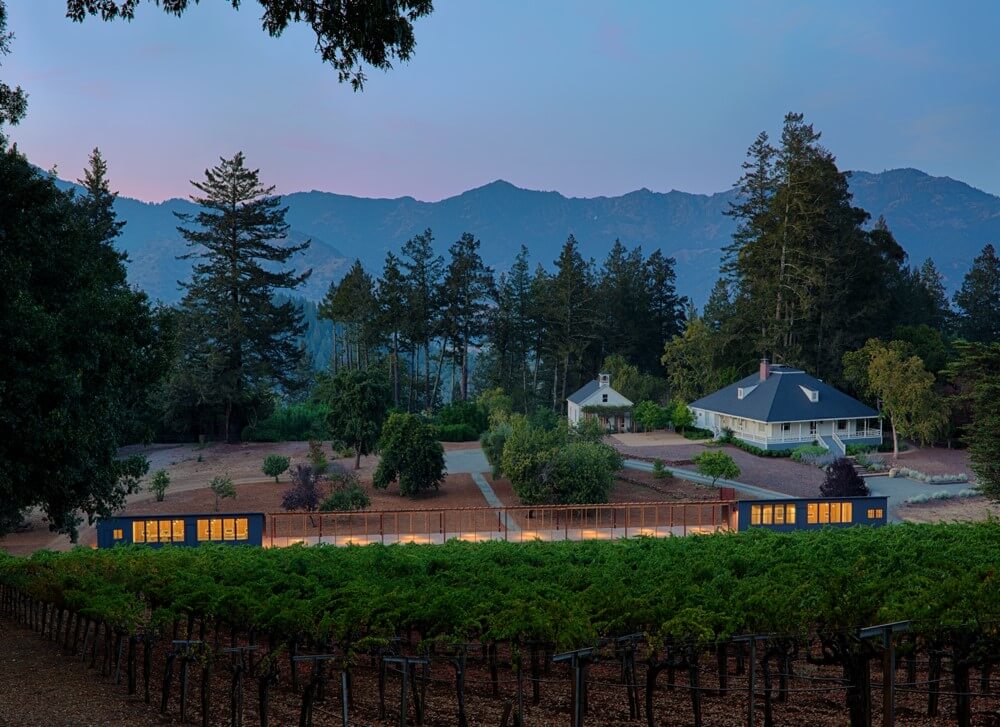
[
  {"x": 526, "y": 451},
  {"x": 581, "y": 472},
  {"x": 466, "y": 413},
  {"x": 454, "y": 433},
  {"x": 694, "y": 433},
  {"x": 660, "y": 472},
  {"x": 717, "y": 464},
  {"x": 683, "y": 418},
  {"x": 842, "y": 480},
  {"x": 290, "y": 423},
  {"x": 159, "y": 484},
  {"x": 317, "y": 457},
  {"x": 411, "y": 456},
  {"x": 222, "y": 487},
  {"x": 870, "y": 462},
  {"x": 544, "y": 418},
  {"x": 752, "y": 449},
  {"x": 928, "y": 479},
  {"x": 492, "y": 442},
  {"x": 304, "y": 492},
  {"x": 274, "y": 465},
  {"x": 351, "y": 496},
  {"x": 588, "y": 430},
  {"x": 856, "y": 449},
  {"x": 651, "y": 416},
  {"x": 496, "y": 403},
  {"x": 813, "y": 454}
]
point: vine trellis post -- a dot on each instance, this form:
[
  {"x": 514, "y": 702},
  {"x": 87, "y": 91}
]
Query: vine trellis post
[
  {"x": 886, "y": 632},
  {"x": 578, "y": 661},
  {"x": 752, "y": 640}
]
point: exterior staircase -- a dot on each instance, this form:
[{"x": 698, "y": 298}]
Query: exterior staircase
[{"x": 833, "y": 443}]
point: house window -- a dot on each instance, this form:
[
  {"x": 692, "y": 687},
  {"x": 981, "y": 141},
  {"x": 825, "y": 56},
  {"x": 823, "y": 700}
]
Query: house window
[
  {"x": 812, "y": 427},
  {"x": 778, "y": 514},
  {"x": 203, "y": 530},
  {"x": 117, "y": 534},
  {"x": 841, "y": 425},
  {"x": 786, "y": 427},
  {"x": 178, "y": 528},
  {"x": 604, "y": 398},
  {"x": 139, "y": 532},
  {"x": 875, "y": 513},
  {"x": 823, "y": 513},
  {"x": 223, "y": 529}
]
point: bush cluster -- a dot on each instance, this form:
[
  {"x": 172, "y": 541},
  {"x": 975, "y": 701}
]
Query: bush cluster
[
  {"x": 928, "y": 479},
  {"x": 554, "y": 466},
  {"x": 696, "y": 433},
  {"x": 813, "y": 454},
  {"x": 468, "y": 414},
  {"x": 751, "y": 449},
  {"x": 942, "y": 495},
  {"x": 290, "y": 423},
  {"x": 455, "y": 433}
]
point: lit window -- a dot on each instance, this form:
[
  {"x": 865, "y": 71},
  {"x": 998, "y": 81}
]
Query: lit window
[
  {"x": 755, "y": 514},
  {"x": 847, "y": 511},
  {"x": 874, "y": 513},
  {"x": 117, "y": 534},
  {"x": 790, "y": 514},
  {"x": 178, "y": 527},
  {"x": 203, "y": 530},
  {"x": 824, "y": 512},
  {"x": 811, "y": 516},
  {"x": 152, "y": 532},
  {"x": 216, "y": 528},
  {"x": 835, "y": 512},
  {"x": 229, "y": 529},
  {"x": 165, "y": 531},
  {"x": 241, "y": 529},
  {"x": 139, "y": 532},
  {"x": 779, "y": 514},
  {"x": 768, "y": 514}
]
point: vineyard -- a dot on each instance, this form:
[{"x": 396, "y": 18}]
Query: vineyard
[{"x": 701, "y": 630}]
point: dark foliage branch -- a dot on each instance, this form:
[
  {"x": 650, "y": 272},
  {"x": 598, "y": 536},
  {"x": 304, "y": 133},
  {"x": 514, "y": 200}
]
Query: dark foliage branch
[{"x": 349, "y": 33}]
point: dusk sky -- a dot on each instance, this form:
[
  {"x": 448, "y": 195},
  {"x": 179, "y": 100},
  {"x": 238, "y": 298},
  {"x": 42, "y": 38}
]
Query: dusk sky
[{"x": 586, "y": 98}]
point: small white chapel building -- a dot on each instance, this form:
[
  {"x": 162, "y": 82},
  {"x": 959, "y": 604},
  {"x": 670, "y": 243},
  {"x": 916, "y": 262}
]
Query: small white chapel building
[{"x": 596, "y": 399}]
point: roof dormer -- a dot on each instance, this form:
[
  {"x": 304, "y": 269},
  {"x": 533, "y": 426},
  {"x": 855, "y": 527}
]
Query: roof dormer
[
  {"x": 812, "y": 394},
  {"x": 744, "y": 391}
]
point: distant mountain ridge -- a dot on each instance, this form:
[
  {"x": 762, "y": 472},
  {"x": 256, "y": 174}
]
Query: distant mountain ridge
[{"x": 935, "y": 217}]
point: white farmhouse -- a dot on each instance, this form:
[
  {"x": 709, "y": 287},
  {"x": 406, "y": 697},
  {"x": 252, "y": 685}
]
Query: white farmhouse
[
  {"x": 597, "y": 399},
  {"x": 782, "y": 407}
]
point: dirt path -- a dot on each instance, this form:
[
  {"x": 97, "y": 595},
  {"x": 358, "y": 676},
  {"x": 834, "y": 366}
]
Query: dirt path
[{"x": 39, "y": 687}]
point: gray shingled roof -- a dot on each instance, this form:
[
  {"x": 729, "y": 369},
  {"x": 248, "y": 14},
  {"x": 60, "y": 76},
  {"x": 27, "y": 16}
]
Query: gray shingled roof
[
  {"x": 581, "y": 394},
  {"x": 780, "y": 399}
]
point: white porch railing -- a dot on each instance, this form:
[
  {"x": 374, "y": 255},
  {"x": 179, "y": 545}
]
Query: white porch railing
[
  {"x": 862, "y": 434},
  {"x": 840, "y": 443}
]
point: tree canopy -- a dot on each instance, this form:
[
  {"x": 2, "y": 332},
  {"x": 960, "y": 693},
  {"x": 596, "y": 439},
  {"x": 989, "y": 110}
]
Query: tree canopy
[
  {"x": 410, "y": 455},
  {"x": 81, "y": 349}
]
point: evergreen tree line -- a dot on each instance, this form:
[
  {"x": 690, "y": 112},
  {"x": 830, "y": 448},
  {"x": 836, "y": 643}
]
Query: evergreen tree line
[
  {"x": 449, "y": 327},
  {"x": 806, "y": 280}
]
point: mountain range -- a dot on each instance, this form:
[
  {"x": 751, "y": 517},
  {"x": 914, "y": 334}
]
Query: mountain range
[{"x": 935, "y": 217}]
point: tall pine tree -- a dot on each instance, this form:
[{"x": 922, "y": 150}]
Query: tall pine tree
[
  {"x": 237, "y": 242},
  {"x": 978, "y": 300}
]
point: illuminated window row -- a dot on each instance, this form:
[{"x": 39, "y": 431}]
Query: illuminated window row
[
  {"x": 158, "y": 531},
  {"x": 780, "y": 514},
  {"x": 829, "y": 512},
  {"x": 875, "y": 513},
  {"x": 218, "y": 528}
]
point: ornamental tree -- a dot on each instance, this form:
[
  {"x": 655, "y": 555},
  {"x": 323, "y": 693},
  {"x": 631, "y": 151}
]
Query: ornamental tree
[
  {"x": 682, "y": 416},
  {"x": 842, "y": 480},
  {"x": 222, "y": 487},
  {"x": 358, "y": 401},
  {"x": 304, "y": 493},
  {"x": 410, "y": 455},
  {"x": 274, "y": 465},
  {"x": 717, "y": 464},
  {"x": 159, "y": 484}
]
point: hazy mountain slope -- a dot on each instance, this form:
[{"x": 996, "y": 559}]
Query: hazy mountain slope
[{"x": 931, "y": 216}]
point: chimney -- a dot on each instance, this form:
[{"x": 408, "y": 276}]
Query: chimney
[
  {"x": 604, "y": 380},
  {"x": 765, "y": 369}
]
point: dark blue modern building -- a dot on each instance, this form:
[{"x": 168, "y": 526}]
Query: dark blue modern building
[
  {"x": 804, "y": 513},
  {"x": 244, "y": 528}
]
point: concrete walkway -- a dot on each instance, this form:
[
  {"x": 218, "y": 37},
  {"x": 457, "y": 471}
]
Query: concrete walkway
[
  {"x": 474, "y": 462},
  {"x": 691, "y": 476}
]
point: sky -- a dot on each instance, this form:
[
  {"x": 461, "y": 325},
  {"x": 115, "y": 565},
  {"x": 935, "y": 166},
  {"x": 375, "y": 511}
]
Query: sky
[{"x": 583, "y": 97}]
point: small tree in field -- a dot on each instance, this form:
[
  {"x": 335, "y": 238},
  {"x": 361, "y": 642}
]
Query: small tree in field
[
  {"x": 682, "y": 416},
  {"x": 159, "y": 484},
  {"x": 716, "y": 464},
  {"x": 274, "y": 465},
  {"x": 222, "y": 488},
  {"x": 304, "y": 493},
  {"x": 317, "y": 457},
  {"x": 842, "y": 480},
  {"x": 410, "y": 455}
]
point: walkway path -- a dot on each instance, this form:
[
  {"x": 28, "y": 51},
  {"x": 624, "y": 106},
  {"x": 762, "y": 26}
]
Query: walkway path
[{"x": 474, "y": 462}]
